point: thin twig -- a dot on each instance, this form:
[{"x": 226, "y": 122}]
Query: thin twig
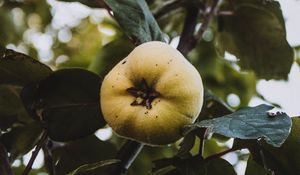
[
  {"x": 4, "y": 163},
  {"x": 202, "y": 141},
  {"x": 47, "y": 149},
  {"x": 218, "y": 155},
  {"x": 187, "y": 41},
  {"x": 35, "y": 153},
  {"x": 263, "y": 158},
  {"x": 208, "y": 18},
  {"x": 167, "y": 8},
  {"x": 127, "y": 155}
]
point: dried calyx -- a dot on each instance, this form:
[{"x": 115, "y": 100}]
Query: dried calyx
[{"x": 144, "y": 94}]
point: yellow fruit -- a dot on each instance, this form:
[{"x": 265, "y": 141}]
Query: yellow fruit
[{"x": 151, "y": 94}]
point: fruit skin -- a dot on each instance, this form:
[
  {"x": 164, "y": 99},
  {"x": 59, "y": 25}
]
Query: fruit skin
[{"x": 167, "y": 71}]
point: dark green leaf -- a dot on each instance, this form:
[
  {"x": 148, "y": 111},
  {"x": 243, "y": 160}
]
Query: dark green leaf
[
  {"x": 191, "y": 166},
  {"x": 219, "y": 166},
  {"x": 254, "y": 168},
  {"x": 136, "y": 20},
  {"x": 143, "y": 163},
  {"x": 162, "y": 166},
  {"x": 11, "y": 107},
  {"x": 95, "y": 166},
  {"x": 68, "y": 102},
  {"x": 21, "y": 139},
  {"x": 186, "y": 145},
  {"x": 213, "y": 107},
  {"x": 88, "y": 150},
  {"x": 198, "y": 167},
  {"x": 256, "y": 35},
  {"x": 285, "y": 160},
  {"x": 19, "y": 69},
  {"x": 110, "y": 55},
  {"x": 251, "y": 123}
]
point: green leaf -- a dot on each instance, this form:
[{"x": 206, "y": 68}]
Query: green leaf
[
  {"x": 143, "y": 163},
  {"x": 19, "y": 69},
  {"x": 256, "y": 35},
  {"x": 255, "y": 168},
  {"x": 193, "y": 166},
  {"x": 197, "y": 167},
  {"x": 21, "y": 139},
  {"x": 68, "y": 102},
  {"x": 163, "y": 166},
  {"x": 94, "y": 166},
  {"x": 219, "y": 166},
  {"x": 88, "y": 150},
  {"x": 285, "y": 160},
  {"x": 213, "y": 107},
  {"x": 110, "y": 55},
  {"x": 186, "y": 145},
  {"x": 136, "y": 20},
  {"x": 11, "y": 107},
  {"x": 251, "y": 123}
]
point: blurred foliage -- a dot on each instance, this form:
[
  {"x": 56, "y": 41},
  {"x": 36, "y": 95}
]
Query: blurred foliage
[
  {"x": 256, "y": 35},
  {"x": 65, "y": 35},
  {"x": 220, "y": 76}
]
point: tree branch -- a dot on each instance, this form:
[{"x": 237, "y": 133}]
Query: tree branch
[
  {"x": 187, "y": 41},
  {"x": 207, "y": 19},
  {"x": 4, "y": 163},
  {"x": 127, "y": 155},
  {"x": 218, "y": 155},
  {"x": 35, "y": 153}
]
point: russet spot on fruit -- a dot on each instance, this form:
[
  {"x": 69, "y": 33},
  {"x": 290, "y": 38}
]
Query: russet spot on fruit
[{"x": 151, "y": 94}]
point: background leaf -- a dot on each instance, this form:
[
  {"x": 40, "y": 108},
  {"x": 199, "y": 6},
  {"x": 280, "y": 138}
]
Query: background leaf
[
  {"x": 83, "y": 151},
  {"x": 285, "y": 160},
  {"x": 255, "y": 34},
  {"x": 143, "y": 28},
  {"x": 254, "y": 168},
  {"x": 21, "y": 139},
  {"x": 110, "y": 55},
  {"x": 19, "y": 69},
  {"x": 68, "y": 103},
  {"x": 95, "y": 166},
  {"x": 251, "y": 123},
  {"x": 11, "y": 107}
]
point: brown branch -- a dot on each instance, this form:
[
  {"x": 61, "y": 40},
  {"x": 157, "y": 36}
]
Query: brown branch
[
  {"x": 35, "y": 153},
  {"x": 207, "y": 19},
  {"x": 4, "y": 163},
  {"x": 187, "y": 41},
  {"x": 218, "y": 155}
]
